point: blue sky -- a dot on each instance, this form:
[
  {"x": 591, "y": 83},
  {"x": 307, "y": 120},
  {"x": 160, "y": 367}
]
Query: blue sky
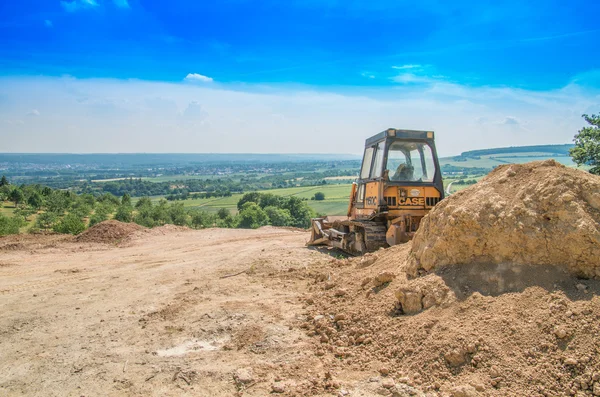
[{"x": 509, "y": 72}]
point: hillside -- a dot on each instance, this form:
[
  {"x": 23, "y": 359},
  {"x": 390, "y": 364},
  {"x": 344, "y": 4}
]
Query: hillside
[
  {"x": 484, "y": 160},
  {"x": 547, "y": 149}
]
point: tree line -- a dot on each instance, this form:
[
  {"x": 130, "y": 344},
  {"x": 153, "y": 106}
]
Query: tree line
[{"x": 63, "y": 211}]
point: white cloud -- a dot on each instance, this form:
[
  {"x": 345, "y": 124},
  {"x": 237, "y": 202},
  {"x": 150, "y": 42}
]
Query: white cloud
[
  {"x": 121, "y": 3},
  {"x": 34, "y": 113},
  {"x": 412, "y": 78},
  {"x": 510, "y": 120},
  {"x": 137, "y": 116},
  {"x": 48, "y": 23},
  {"x": 368, "y": 75},
  {"x": 198, "y": 77},
  {"x": 76, "y": 5},
  {"x": 404, "y": 67},
  {"x": 417, "y": 74}
]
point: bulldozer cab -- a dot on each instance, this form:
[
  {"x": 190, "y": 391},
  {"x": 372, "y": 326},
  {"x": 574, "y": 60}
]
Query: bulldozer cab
[{"x": 400, "y": 169}]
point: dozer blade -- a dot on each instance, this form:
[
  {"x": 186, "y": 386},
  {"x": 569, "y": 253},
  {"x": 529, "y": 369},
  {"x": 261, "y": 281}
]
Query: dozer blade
[
  {"x": 321, "y": 230},
  {"x": 353, "y": 237}
]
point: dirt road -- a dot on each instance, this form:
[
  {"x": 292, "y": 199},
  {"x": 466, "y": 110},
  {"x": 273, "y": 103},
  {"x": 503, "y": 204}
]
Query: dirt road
[{"x": 153, "y": 317}]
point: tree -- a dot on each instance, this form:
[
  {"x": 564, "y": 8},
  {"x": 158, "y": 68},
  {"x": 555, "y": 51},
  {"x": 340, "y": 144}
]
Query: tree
[
  {"x": 70, "y": 224},
  {"x": 201, "y": 219},
  {"x": 57, "y": 202},
  {"x": 10, "y": 225},
  {"x": 319, "y": 196},
  {"x": 17, "y": 196},
  {"x": 223, "y": 213},
  {"x": 252, "y": 197},
  {"x": 35, "y": 200},
  {"x": 301, "y": 213},
  {"x": 252, "y": 216},
  {"x": 4, "y": 181},
  {"x": 229, "y": 222},
  {"x": 126, "y": 199},
  {"x": 279, "y": 216},
  {"x": 100, "y": 213},
  {"x": 177, "y": 214},
  {"x": 587, "y": 144},
  {"x": 143, "y": 202},
  {"x": 46, "y": 220},
  {"x": 124, "y": 213},
  {"x": 270, "y": 200},
  {"x": 160, "y": 213}
]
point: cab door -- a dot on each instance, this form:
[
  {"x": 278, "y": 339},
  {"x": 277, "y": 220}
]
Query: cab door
[{"x": 370, "y": 181}]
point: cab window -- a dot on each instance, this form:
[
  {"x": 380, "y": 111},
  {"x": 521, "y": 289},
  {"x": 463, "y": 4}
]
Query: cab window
[
  {"x": 410, "y": 161},
  {"x": 366, "y": 165},
  {"x": 377, "y": 170}
]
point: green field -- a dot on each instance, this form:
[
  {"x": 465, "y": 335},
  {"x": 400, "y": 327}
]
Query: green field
[{"x": 335, "y": 203}]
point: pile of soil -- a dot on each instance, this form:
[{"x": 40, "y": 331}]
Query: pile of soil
[
  {"x": 474, "y": 338},
  {"x": 108, "y": 232},
  {"x": 539, "y": 213}
]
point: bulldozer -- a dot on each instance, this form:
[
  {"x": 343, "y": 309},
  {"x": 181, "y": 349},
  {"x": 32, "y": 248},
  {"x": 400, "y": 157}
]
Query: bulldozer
[{"x": 399, "y": 183}]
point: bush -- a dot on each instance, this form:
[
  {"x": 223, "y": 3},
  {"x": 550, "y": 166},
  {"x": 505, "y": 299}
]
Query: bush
[
  {"x": 143, "y": 202},
  {"x": 223, "y": 213},
  {"x": 227, "y": 222},
  {"x": 82, "y": 210},
  {"x": 124, "y": 213},
  {"x": 46, "y": 220},
  {"x": 108, "y": 198},
  {"x": 70, "y": 224},
  {"x": 252, "y": 216},
  {"x": 10, "y": 225},
  {"x": 319, "y": 196},
  {"x": 126, "y": 199},
  {"x": 300, "y": 211},
  {"x": 100, "y": 214},
  {"x": 57, "y": 202},
  {"x": 252, "y": 197},
  {"x": 201, "y": 219},
  {"x": 279, "y": 216},
  {"x": 177, "y": 214}
]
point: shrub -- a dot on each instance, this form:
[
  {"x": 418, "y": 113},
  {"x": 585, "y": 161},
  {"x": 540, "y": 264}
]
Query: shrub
[
  {"x": 279, "y": 216},
  {"x": 70, "y": 224},
  {"x": 252, "y": 216},
  {"x": 46, "y": 220},
  {"x": 124, "y": 213},
  {"x": 10, "y": 225}
]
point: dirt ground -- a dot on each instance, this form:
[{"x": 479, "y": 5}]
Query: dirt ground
[
  {"x": 225, "y": 312},
  {"x": 153, "y": 317}
]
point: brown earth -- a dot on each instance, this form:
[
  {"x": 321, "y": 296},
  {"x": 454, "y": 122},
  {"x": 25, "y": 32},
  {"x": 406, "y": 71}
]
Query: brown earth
[
  {"x": 539, "y": 213},
  {"x": 493, "y": 330},
  {"x": 109, "y": 232},
  {"x": 224, "y": 312}
]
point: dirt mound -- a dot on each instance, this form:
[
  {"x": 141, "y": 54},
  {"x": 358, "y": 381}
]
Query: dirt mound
[
  {"x": 539, "y": 213},
  {"x": 474, "y": 339},
  {"x": 108, "y": 232}
]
